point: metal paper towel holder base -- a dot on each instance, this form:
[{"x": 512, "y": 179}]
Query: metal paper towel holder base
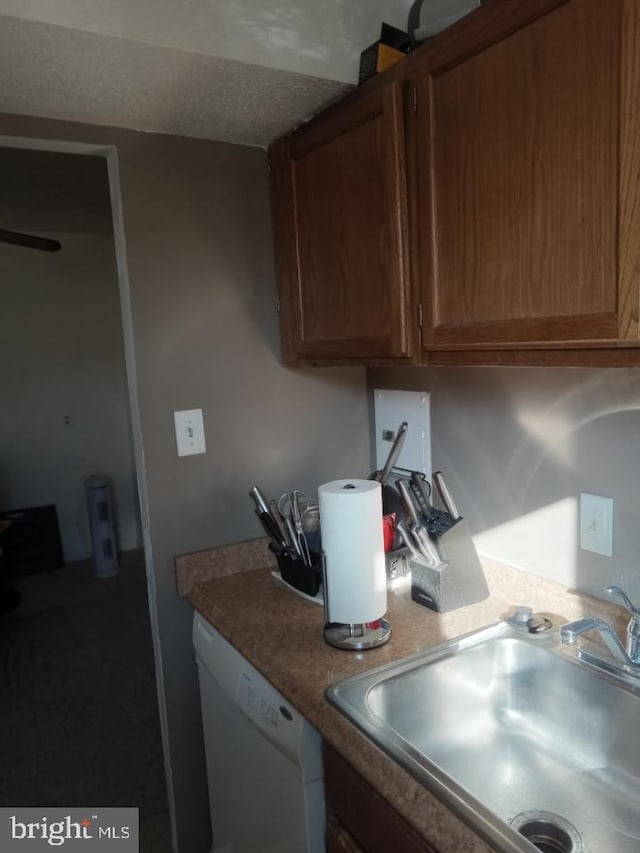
[
  {"x": 357, "y": 637},
  {"x": 353, "y": 636}
]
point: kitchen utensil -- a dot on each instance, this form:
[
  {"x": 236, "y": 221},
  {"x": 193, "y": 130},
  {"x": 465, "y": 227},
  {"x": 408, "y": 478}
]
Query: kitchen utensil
[
  {"x": 391, "y": 500},
  {"x": 291, "y": 506},
  {"x": 273, "y": 506},
  {"x": 408, "y": 503},
  {"x": 445, "y": 495},
  {"x": 259, "y": 499},
  {"x": 435, "y": 520},
  {"x": 424, "y": 543},
  {"x": 271, "y": 528},
  {"x": 407, "y": 539},
  {"x": 424, "y": 509},
  {"x": 392, "y": 458},
  {"x": 271, "y": 521},
  {"x": 311, "y": 528},
  {"x": 292, "y": 536},
  {"x": 423, "y": 489}
]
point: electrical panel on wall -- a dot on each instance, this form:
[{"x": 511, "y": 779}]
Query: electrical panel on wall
[{"x": 391, "y": 408}]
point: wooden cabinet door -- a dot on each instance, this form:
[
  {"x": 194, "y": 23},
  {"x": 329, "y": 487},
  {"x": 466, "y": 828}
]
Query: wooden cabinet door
[
  {"x": 528, "y": 153},
  {"x": 339, "y": 839},
  {"x": 359, "y": 818},
  {"x": 339, "y": 203}
]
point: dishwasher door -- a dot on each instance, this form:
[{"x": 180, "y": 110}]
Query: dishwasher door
[{"x": 264, "y": 761}]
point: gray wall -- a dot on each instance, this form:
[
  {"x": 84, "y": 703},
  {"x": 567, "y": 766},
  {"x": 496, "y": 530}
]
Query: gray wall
[
  {"x": 61, "y": 344},
  {"x": 196, "y": 217},
  {"x": 518, "y": 445}
]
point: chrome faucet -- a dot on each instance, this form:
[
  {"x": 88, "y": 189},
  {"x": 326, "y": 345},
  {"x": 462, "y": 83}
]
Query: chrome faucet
[
  {"x": 633, "y": 626},
  {"x": 627, "y": 660}
]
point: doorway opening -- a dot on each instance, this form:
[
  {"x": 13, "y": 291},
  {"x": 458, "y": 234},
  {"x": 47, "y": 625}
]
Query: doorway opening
[{"x": 81, "y": 723}]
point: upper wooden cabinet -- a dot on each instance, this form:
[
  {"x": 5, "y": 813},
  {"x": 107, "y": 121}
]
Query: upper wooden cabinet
[
  {"x": 510, "y": 145},
  {"x": 340, "y": 226},
  {"x": 527, "y": 153}
]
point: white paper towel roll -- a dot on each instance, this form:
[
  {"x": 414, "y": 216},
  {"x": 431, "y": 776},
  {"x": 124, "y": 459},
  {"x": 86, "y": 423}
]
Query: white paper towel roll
[{"x": 353, "y": 547}]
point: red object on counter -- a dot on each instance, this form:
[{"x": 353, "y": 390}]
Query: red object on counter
[{"x": 388, "y": 530}]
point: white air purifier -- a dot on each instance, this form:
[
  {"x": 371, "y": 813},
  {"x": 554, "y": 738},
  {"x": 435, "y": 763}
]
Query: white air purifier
[{"x": 101, "y": 522}]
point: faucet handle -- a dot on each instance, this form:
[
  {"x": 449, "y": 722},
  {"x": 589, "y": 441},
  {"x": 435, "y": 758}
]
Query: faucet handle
[
  {"x": 633, "y": 628},
  {"x": 615, "y": 590}
]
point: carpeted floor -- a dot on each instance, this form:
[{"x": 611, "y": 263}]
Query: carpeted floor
[{"x": 78, "y": 708}]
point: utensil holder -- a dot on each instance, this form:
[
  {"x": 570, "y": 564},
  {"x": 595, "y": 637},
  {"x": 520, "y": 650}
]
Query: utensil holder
[{"x": 298, "y": 574}]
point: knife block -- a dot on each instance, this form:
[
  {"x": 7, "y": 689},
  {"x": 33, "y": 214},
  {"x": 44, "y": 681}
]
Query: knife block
[{"x": 457, "y": 581}]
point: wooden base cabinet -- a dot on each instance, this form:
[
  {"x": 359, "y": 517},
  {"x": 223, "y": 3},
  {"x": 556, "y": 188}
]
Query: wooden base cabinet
[
  {"x": 359, "y": 820},
  {"x": 527, "y": 137},
  {"x": 339, "y": 839},
  {"x": 340, "y": 228}
]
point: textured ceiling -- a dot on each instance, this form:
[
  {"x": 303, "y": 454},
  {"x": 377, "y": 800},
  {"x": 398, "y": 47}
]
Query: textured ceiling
[
  {"x": 321, "y": 39},
  {"x": 58, "y": 72}
]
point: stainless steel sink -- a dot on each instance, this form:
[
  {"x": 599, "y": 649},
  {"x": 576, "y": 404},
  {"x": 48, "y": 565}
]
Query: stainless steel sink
[{"x": 532, "y": 748}]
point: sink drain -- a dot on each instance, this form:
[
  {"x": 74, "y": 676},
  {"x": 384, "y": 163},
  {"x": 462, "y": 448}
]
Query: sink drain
[{"x": 549, "y": 832}]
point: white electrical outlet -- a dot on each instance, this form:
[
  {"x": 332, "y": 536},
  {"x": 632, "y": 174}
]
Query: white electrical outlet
[
  {"x": 189, "y": 432},
  {"x": 596, "y": 524}
]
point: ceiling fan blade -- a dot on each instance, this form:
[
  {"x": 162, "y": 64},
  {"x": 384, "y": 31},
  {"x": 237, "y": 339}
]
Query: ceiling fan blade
[{"x": 29, "y": 241}]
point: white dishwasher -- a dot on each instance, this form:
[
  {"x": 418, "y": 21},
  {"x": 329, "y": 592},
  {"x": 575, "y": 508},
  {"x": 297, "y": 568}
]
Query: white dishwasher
[{"x": 264, "y": 760}]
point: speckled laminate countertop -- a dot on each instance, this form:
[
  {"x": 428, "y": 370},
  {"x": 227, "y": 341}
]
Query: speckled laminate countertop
[{"x": 280, "y": 634}]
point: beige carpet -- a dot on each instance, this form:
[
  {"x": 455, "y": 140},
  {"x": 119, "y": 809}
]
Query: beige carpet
[{"x": 78, "y": 708}]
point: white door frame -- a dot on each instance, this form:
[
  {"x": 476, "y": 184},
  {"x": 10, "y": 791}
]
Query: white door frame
[{"x": 109, "y": 152}]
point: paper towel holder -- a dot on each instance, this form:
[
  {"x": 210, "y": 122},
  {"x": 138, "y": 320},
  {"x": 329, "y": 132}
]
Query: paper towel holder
[
  {"x": 353, "y": 565},
  {"x": 359, "y": 636},
  {"x": 355, "y": 636}
]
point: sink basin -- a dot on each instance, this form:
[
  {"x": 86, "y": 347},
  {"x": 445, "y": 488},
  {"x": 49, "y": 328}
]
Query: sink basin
[{"x": 532, "y": 748}]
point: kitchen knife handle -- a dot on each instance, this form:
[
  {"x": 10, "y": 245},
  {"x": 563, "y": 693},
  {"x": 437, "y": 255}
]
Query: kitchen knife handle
[
  {"x": 259, "y": 500},
  {"x": 445, "y": 494},
  {"x": 408, "y": 502},
  {"x": 291, "y": 536},
  {"x": 426, "y": 547},
  {"x": 423, "y": 487},
  {"x": 401, "y": 527},
  {"x": 270, "y": 527},
  {"x": 419, "y": 501},
  {"x": 275, "y": 512}
]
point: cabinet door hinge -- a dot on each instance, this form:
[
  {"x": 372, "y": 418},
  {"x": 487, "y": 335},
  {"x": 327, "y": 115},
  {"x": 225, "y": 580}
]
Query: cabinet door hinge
[{"x": 420, "y": 315}]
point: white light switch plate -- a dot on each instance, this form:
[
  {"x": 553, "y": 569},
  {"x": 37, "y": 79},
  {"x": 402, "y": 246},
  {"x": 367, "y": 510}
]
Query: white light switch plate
[
  {"x": 596, "y": 524},
  {"x": 393, "y": 407},
  {"x": 189, "y": 432}
]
